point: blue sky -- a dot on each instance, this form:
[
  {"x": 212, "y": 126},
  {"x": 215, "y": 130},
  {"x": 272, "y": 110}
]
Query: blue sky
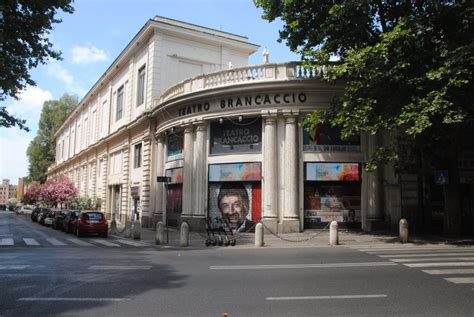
[{"x": 94, "y": 35}]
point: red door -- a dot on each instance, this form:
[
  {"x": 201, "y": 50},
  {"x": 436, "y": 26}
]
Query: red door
[{"x": 256, "y": 202}]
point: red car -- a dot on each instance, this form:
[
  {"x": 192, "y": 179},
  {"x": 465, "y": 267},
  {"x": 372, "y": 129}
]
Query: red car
[{"x": 91, "y": 222}]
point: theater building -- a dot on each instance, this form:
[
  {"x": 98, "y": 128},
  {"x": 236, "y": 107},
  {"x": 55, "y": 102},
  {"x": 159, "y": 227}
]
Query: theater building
[{"x": 181, "y": 105}]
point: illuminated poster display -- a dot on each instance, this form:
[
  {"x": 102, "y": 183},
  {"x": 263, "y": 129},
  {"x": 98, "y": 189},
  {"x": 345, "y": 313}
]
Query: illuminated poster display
[
  {"x": 325, "y": 138},
  {"x": 332, "y": 172},
  {"x": 175, "y": 146},
  {"x": 235, "y": 172},
  {"x": 232, "y": 136},
  {"x": 176, "y": 175}
]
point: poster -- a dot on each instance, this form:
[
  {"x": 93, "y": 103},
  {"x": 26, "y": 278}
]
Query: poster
[
  {"x": 176, "y": 175},
  {"x": 325, "y": 138},
  {"x": 235, "y": 172},
  {"x": 238, "y": 203},
  {"x": 175, "y": 146},
  {"x": 332, "y": 172},
  {"x": 234, "y": 136}
]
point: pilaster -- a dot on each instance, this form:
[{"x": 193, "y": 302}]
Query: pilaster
[
  {"x": 146, "y": 217},
  {"x": 188, "y": 195},
  {"x": 270, "y": 172}
]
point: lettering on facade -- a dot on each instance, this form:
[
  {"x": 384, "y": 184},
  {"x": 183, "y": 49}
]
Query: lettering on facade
[{"x": 245, "y": 101}]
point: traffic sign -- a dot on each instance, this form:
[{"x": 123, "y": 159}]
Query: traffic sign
[{"x": 163, "y": 179}]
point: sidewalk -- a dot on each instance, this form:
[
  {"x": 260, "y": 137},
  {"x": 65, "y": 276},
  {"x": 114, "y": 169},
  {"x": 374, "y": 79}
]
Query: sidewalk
[{"x": 308, "y": 238}]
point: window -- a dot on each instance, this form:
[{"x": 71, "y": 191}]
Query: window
[
  {"x": 119, "y": 113},
  {"x": 137, "y": 162},
  {"x": 141, "y": 86}
]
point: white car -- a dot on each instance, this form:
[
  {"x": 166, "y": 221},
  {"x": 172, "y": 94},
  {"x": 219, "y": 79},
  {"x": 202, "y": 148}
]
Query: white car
[{"x": 26, "y": 210}]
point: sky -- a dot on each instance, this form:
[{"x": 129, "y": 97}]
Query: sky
[{"x": 94, "y": 35}]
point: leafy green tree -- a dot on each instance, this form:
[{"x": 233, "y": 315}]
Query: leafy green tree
[
  {"x": 408, "y": 68},
  {"x": 42, "y": 150},
  {"x": 24, "y": 26}
]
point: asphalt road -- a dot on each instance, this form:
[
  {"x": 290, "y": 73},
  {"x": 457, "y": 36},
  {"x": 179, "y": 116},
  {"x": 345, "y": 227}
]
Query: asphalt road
[{"x": 92, "y": 279}]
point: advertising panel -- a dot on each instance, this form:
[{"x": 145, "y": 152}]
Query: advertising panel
[
  {"x": 176, "y": 175},
  {"x": 237, "y": 203},
  {"x": 231, "y": 136},
  {"x": 175, "y": 146},
  {"x": 235, "y": 172},
  {"x": 325, "y": 138},
  {"x": 332, "y": 172}
]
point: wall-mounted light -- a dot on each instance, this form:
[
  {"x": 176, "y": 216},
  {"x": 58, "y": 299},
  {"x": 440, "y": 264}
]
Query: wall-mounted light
[
  {"x": 240, "y": 118},
  {"x": 221, "y": 120}
]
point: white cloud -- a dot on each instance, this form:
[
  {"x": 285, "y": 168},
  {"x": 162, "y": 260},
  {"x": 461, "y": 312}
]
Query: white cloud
[
  {"x": 14, "y": 162},
  {"x": 29, "y": 104},
  {"x": 55, "y": 69},
  {"x": 88, "y": 54}
]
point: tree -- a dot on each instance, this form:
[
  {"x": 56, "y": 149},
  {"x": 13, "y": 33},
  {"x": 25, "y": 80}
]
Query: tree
[
  {"x": 24, "y": 28},
  {"x": 408, "y": 68},
  {"x": 42, "y": 150},
  {"x": 58, "y": 190},
  {"x": 33, "y": 194}
]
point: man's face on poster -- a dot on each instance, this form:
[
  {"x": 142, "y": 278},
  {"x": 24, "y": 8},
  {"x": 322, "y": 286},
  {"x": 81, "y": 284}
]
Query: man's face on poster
[{"x": 232, "y": 209}]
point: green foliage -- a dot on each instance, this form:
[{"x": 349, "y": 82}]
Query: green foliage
[
  {"x": 25, "y": 26},
  {"x": 42, "y": 150},
  {"x": 84, "y": 203},
  {"x": 408, "y": 66}
]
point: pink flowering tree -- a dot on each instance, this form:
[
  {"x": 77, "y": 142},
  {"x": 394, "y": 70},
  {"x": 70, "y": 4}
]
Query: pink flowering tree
[
  {"x": 57, "y": 191},
  {"x": 33, "y": 194}
]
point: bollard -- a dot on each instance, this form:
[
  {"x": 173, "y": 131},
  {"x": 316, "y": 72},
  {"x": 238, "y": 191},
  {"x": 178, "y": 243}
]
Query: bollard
[
  {"x": 128, "y": 229},
  {"x": 184, "y": 235},
  {"x": 137, "y": 230},
  {"x": 403, "y": 227},
  {"x": 259, "y": 235},
  {"x": 113, "y": 226},
  {"x": 160, "y": 233},
  {"x": 333, "y": 234}
]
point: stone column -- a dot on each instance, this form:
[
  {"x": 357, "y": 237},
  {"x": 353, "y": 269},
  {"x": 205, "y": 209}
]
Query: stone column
[
  {"x": 291, "y": 222},
  {"x": 370, "y": 208},
  {"x": 145, "y": 216},
  {"x": 160, "y": 171},
  {"x": 105, "y": 187},
  {"x": 94, "y": 178},
  {"x": 125, "y": 208},
  {"x": 188, "y": 195},
  {"x": 270, "y": 173},
  {"x": 199, "y": 177}
]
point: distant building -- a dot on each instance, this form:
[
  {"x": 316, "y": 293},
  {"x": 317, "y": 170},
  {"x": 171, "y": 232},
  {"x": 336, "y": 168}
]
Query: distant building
[
  {"x": 7, "y": 191},
  {"x": 20, "y": 191}
]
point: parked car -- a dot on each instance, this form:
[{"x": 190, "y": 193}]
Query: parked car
[
  {"x": 70, "y": 221},
  {"x": 91, "y": 222},
  {"x": 58, "y": 219},
  {"x": 42, "y": 215},
  {"x": 26, "y": 210},
  {"x": 35, "y": 213},
  {"x": 48, "y": 220}
]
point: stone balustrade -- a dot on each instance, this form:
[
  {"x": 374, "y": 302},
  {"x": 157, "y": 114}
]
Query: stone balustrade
[{"x": 243, "y": 75}]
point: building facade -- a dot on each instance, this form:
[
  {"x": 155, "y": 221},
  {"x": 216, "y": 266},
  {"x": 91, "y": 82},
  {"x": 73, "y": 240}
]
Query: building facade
[
  {"x": 7, "y": 191},
  {"x": 180, "y": 128}
]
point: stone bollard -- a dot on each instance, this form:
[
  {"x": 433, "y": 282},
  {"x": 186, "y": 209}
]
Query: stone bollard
[
  {"x": 259, "y": 235},
  {"x": 184, "y": 235},
  {"x": 137, "y": 230},
  {"x": 333, "y": 234},
  {"x": 113, "y": 226},
  {"x": 128, "y": 229},
  {"x": 403, "y": 227},
  {"x": 160, "y": 233}
]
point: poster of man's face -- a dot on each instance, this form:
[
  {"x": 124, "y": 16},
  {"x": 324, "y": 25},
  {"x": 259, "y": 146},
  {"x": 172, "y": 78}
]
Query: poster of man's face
[{"x": 231, "y": 201}]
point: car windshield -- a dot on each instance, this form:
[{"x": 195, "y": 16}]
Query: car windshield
[{"x": 93, "y": 216}]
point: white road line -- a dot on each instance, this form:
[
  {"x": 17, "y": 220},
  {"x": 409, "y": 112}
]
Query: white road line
[
  {"x": 424, "y": 255},
  {"x": 298, "y": 266},
  {"x": 461, "y": 280},
  {"x": 119, "y": 267},
  {"x": 448, "y": 271},
  {"x": 134, "y": 243},
  {"x": 106, "y": 243},
  {"x": 56, "y": 242},
  {"x": 438, "y": 264},
  {"x": 386, "y": 250},
  {"x": 81, "y": 243},
  {"x": 6, "y": 241},
  {"x": 13, "y": 267},
  {"x": 327, "y": 297},
  {"x": 70, "y": 299},
  {"x": 434, "y": 259},
  {"x": 29, "y": 241}
]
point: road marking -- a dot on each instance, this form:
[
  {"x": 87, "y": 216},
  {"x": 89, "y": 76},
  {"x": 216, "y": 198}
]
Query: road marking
[
  {"x": 439, "y": 264},
  {"x": 424, "y": 255},
  {"x": 71, "y": 299},
  {"x": 106, "y": 243},
  {"x": 6, "y": 241},
  {"x": 448, "y": 271},
  {"x": 134, "y": 243},
  {"x": 411, "y": 249},
  {"x": 13, "y": 267},
  {"x": 461, "y": 280},
  {"x": 81, "y": 243},
  {"x": 433, "y": 259},
  {"x": 327, "y": 297},
  {"x": 119, "y": 267},
  {"x": 54, "y": 241},
  {"x": 298, "y": 266},
  {"x": 29, "y": 241}
]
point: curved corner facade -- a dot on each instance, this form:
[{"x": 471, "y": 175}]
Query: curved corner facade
[{"x": 179, "y": 125}]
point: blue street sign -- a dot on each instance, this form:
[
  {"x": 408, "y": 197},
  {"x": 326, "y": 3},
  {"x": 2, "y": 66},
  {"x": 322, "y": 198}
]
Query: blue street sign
[{"x": 441, "y": 177}]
